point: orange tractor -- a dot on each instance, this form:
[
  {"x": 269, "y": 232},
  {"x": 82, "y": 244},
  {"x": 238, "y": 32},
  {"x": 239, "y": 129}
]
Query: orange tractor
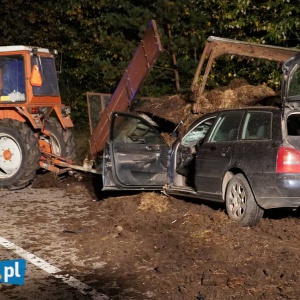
[{"x": 35, "y": 127}]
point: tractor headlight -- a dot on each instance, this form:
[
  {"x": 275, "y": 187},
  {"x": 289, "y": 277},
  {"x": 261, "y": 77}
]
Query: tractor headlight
[{"x": 42, "y": 111}]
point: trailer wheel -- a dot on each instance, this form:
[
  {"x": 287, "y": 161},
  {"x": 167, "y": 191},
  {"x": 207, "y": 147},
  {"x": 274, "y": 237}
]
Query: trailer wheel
[
  {"x": 61, "y": 141},
  {"x": 19, "y": 154}
]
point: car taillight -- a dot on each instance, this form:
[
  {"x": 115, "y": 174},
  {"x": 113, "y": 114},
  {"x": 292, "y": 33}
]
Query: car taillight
[{"x": 288, "y": 160}]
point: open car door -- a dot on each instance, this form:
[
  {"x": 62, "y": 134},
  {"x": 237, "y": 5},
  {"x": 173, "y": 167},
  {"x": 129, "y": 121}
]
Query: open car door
[{"x": 135, "y": 156}]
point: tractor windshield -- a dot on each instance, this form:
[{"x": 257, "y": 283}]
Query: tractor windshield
[
  {"x": 12, "y": 79},
  {"x": 46, "y": 66}
]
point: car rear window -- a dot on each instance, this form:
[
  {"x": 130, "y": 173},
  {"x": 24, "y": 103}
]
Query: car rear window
[{"x": 257, "y": 126}]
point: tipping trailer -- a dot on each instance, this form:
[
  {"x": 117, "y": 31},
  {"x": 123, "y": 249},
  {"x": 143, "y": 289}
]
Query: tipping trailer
[
  {"x": 144, "y": 58},
  {"x": 135, "y": 74}
]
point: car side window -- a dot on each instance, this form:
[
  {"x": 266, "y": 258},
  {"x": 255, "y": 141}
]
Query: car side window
[
  {"x": 197, "y": 133},
  {"x": 134, "y": 130},
  {"x": 257, "y": 126},
  {"x": 293, "y": 125},
  {"x": 227, "y": 127}
]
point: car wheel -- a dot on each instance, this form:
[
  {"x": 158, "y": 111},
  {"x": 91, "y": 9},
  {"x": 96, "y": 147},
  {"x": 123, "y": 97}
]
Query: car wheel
[{"x": 241, "y": 205}]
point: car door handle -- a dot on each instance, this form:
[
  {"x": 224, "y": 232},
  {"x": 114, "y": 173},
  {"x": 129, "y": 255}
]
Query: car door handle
[
  {"x": 223, "y": 154},
  {"x": 142, "y": 163}
]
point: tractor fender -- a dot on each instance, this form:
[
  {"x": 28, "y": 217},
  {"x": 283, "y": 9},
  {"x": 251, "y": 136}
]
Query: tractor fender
[
  {"x": 65, "y": 121},
  {"x": 12, "y": 114},
  {"x": 22, "y": 115}
]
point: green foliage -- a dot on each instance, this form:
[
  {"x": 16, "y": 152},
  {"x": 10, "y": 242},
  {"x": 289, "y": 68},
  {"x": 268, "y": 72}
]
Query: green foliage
[
  {"x": 96, "y": 39},
  {"x": 226, "y": 69}
]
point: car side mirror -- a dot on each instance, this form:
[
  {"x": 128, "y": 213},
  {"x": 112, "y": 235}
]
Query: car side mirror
[{"x": 199, "y": 143}]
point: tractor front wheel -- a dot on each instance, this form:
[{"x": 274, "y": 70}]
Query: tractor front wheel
[{"x": 19, "y": 154}]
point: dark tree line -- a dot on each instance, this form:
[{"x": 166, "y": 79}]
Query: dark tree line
[{"x": 96, "y": 39}]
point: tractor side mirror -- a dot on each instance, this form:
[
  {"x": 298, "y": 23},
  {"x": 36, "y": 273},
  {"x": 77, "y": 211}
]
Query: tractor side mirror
[{"x": 36, "y": 77}]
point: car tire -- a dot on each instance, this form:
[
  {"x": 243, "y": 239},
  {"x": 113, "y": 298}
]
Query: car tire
[
  {"x": 241, "y": 205},
  {"x": 19, "y": 154},
  {"x": 62, "y": 141}
]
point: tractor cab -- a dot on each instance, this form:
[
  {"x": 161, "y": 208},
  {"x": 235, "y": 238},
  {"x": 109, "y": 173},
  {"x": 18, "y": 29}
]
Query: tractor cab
[
  {"x": 35, "y": 127},
  {"x": 27, "y": 75}
]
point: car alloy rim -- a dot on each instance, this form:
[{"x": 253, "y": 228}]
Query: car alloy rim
[
  {"x": 10, "y": 156},
  {"x": 237, "y": 201}
]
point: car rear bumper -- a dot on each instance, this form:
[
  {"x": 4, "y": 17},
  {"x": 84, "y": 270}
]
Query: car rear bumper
[
  {"x": 277, "y": 190},
  {"x": 268, "y": 202}
]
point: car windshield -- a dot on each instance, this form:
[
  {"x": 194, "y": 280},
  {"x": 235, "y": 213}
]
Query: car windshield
[{"x": 197, "y": 133}]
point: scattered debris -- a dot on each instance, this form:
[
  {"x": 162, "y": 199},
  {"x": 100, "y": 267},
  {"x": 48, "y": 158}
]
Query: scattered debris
[{"x": 152, "y": 201}]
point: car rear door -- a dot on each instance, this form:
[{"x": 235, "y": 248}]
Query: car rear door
[
  {"x": 135, "y": 156},
  {"x": 214, "y": 155}
]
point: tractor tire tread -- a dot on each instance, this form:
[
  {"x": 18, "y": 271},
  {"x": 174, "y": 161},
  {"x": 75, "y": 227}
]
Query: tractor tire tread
[{"x": 32, "y": 150}]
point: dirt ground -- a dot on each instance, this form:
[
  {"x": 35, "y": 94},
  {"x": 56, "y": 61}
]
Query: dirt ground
[{"x": 150, "y": 246}]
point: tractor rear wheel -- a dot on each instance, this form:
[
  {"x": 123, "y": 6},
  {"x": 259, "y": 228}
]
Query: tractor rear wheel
[
  {"x": 62, "y": 142},
  {"x": 19, "y": 154}
]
